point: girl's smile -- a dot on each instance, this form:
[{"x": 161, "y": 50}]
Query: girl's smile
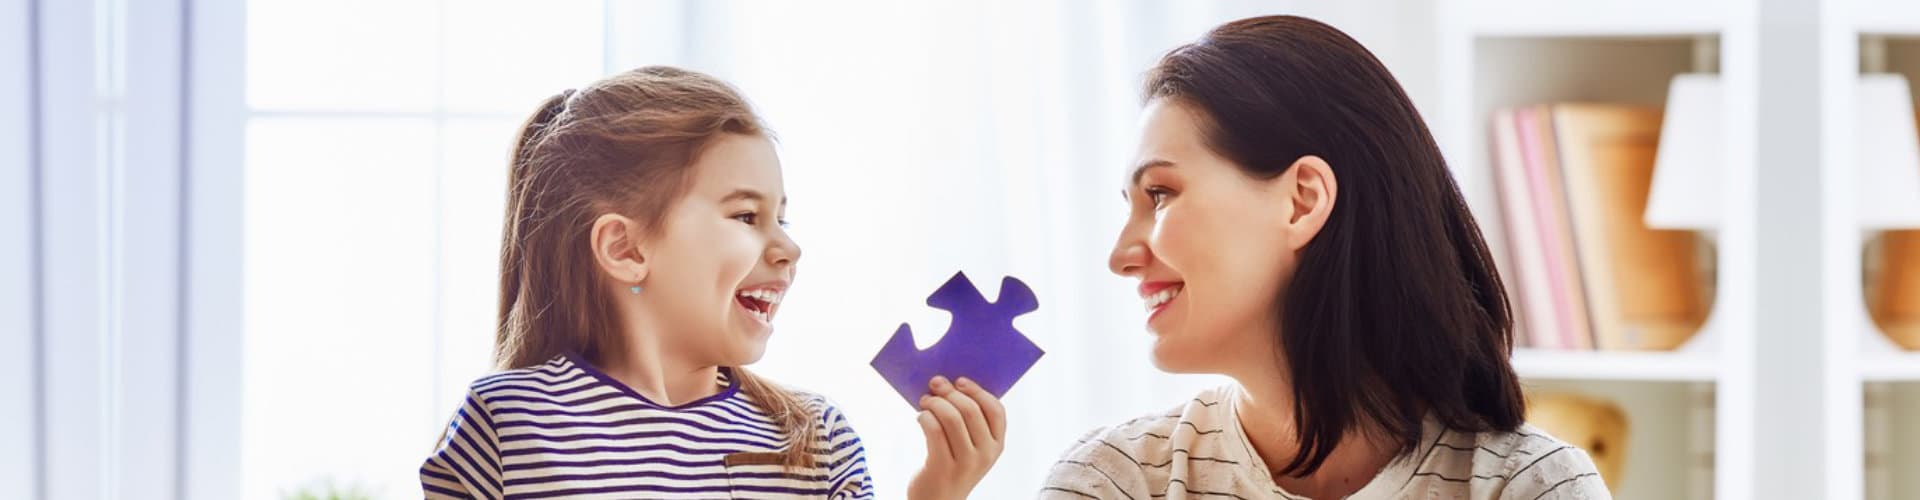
[{"x": 760, "y": 302}]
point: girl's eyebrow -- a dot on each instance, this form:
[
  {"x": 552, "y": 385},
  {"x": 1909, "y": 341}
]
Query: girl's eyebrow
[{"x": 750, "y": 195}]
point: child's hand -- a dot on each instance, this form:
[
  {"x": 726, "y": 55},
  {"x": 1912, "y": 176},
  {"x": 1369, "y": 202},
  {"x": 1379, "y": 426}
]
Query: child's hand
[{"x": 966, "y": 428}]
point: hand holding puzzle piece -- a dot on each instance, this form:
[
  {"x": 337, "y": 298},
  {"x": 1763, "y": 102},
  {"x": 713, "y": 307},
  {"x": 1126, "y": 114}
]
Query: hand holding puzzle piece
[{"x": 981, "y": 343}]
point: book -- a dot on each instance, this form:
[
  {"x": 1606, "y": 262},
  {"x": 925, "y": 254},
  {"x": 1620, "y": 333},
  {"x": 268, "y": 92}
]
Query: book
[
  {"x": 1533, "y": 308},
  {"x": 1555, "y": 236},
  {"x": 1643, "y": 286}
]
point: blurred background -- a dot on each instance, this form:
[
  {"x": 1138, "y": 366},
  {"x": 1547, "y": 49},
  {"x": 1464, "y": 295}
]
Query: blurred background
[{"x": 248, "y": 247}]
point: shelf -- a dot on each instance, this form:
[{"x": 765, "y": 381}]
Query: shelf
[
  {"x": 1887, "y": 17},
  {"x": 1890, "y": 367},
  {"x": 1615, "y": 365},
  {"x": 1502, "y": 53},
  {"x": 1626, "y": 18},
  {"x": 1670, "y": 435}
]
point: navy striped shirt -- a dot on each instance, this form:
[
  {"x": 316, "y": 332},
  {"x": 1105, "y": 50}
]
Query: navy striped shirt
[{"x": 564, "y": 429}]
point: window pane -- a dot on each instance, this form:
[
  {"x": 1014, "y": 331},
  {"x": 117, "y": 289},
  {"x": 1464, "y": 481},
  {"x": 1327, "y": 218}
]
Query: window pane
[
  {"x": 507, "y": 55},
  {"x": 340, "y": 264},
  {"x": 342, "y": 55},
  {"x": 473, "y": 198}
]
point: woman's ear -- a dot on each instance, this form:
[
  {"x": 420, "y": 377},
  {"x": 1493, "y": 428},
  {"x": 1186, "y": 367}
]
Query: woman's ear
[
  {"x": 619, "y": 248},
  {"x": 1310, "y": 190}
]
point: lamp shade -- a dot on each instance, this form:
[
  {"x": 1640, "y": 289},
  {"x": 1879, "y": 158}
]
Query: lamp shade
[
  {"x": 1888, "y": 151},
  {"x": 1689, "y": 166}
]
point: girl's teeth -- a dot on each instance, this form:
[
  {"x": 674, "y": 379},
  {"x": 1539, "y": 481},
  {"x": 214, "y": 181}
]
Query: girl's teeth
[
  {"x": 764, "y": 300},
  {"x": 769, "y": 296}
]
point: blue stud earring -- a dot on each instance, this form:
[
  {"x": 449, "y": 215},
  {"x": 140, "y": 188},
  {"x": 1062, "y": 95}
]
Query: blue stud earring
[{"x": 635, "y": 289}]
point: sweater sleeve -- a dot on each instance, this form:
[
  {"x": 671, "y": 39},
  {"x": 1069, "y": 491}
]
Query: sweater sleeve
[
  {"x": 1095, "y": 469},
  {"x": 1565, "y": 472}
]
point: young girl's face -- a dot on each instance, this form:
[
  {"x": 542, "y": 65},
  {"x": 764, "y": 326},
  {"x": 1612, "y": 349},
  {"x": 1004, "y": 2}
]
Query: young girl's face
[
  {"x": 1207, "y": 244},
  {"x": 722, "y": 261}
]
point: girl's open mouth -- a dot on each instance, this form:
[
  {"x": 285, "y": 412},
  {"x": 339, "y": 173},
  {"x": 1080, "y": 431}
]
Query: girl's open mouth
[{"x": 759, "y": 303}]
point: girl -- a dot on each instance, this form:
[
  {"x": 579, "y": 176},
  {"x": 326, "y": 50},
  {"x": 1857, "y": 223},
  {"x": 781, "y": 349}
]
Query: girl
[
  {"x": 643, "y": 261},
  {"x": 1294, "y": 227}
]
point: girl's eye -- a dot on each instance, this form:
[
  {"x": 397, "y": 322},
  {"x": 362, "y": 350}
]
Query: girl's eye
[
  {"x": 747, "y": 217},
  {"x": 1157, "y": 194},
  {"x": 783, "y": 223}
]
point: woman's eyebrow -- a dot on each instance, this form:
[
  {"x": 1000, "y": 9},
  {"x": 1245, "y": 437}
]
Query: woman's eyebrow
[{"x": 1145, "y": 166}]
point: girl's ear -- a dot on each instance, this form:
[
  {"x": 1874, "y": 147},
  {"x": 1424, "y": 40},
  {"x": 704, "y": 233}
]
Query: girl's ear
[
  {"x": 619, "y": 249},
  {"x": 1309, "y": 189}
]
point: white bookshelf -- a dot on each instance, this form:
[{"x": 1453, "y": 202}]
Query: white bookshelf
[
  {"x": 1544, "y": 364},
  {"x": 1882, "y": 16},
  {"x": 1619, "y": 18},
  {"x": 1690, "y": 410},
  {"x": 1890, "y": 367},
  {"x": 1872, "y": 387}
]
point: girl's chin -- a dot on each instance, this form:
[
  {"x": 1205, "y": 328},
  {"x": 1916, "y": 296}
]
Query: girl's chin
[{"x": 746, "y": 354}]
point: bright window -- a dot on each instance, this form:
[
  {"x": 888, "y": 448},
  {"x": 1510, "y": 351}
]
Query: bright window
[{"x": 376, "y": 170}]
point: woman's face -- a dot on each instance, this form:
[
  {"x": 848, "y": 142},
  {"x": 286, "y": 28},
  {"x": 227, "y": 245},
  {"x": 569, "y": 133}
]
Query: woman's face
[{"x": 1211, "y": 246}]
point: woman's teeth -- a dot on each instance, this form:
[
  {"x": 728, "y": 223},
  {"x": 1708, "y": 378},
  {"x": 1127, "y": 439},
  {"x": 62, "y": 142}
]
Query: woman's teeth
[
  {"x": 760, "y": 302},
  {"x": 1161, "y": 297}
]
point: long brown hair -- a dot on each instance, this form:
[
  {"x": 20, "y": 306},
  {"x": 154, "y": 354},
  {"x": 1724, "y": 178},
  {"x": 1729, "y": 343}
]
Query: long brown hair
[
  {"x": 1398, "y": 310},
  {"x": 621, "y": 145}
]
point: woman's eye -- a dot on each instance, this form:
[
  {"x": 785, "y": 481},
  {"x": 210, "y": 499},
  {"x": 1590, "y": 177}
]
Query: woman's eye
[{"x": 1157, "y": 195}]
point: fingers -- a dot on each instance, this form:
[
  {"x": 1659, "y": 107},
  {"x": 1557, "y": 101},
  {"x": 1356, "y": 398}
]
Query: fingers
[
  {"x": 955, "y": 425},
  {"x": 938, "y": 452},
  {"x": 976, "y": 419},
  {"x": 964, "y": 426},
  {"x": 995, "y": 413}
]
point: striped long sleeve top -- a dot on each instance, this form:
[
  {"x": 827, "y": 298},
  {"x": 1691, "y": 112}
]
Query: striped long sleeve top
[{"x": 564, "y": 429}]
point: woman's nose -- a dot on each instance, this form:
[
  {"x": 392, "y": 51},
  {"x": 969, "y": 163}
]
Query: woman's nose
[{"x": 1128, "y": 258}]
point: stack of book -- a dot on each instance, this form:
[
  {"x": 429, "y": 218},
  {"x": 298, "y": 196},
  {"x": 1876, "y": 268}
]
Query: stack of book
[{"x": 1584, "y": 270}]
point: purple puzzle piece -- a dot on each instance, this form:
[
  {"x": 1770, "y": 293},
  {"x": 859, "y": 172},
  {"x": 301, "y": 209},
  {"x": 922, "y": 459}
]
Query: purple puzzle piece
[{"x": 981, "y": 344}]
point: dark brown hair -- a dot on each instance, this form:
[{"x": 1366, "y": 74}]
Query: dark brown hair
[
  {"x": 1396, "y": 311},
  {"x": 621, "y": 145}
]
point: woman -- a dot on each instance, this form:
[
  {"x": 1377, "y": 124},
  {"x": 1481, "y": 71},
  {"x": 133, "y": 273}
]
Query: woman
[{"x": 1294, "y": 227}]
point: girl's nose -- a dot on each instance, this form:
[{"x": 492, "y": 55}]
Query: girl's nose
[{"x": 783, "y": 251}]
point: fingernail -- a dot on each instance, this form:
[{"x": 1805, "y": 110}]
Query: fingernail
[
  {"x": 939, "y": 381},
  {"x": 964, "y": 383}
]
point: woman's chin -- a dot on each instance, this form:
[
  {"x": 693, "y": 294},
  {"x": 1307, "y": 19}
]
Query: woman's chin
[{"x": 1170, "y": 357}]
